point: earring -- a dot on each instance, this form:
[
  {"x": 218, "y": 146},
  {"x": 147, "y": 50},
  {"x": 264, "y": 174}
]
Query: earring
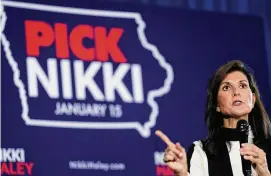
[{"x": 217, "y": 109}]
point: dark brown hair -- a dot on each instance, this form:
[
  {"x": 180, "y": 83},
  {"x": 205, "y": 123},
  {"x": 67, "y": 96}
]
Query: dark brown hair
[{"x": 258, "y": 117}]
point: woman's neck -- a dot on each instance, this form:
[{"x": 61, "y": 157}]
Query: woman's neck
[{"x": 232, "y": 121}]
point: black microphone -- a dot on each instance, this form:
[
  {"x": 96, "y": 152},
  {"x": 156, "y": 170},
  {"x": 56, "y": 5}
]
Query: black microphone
[{"x": 243, "y": 128}]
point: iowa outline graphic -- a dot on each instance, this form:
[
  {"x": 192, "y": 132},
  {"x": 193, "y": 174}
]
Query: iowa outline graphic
[{"x": 143, "y": 129}]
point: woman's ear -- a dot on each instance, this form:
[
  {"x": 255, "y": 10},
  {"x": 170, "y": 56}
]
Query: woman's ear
[
  {"x": 253, "y": 99},
  {"x": 218, "y": 109}
]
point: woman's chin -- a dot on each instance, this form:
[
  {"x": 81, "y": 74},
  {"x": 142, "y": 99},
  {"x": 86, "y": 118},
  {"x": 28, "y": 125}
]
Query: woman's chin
[{"x": 240, "y": 115}]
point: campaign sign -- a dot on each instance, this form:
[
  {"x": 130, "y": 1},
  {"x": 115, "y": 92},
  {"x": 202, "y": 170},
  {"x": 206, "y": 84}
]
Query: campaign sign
[{"x": 84, "y": 87}]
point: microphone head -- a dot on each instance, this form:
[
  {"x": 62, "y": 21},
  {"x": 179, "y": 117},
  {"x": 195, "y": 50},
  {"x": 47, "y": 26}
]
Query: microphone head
[{"x": 242, "y": 126}]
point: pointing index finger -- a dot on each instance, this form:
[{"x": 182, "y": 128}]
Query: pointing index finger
[{"x": 164, "y": 137}]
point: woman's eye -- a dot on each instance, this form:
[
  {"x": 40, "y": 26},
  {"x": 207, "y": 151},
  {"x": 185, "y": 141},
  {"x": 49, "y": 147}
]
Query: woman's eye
[
  {"x": 225, "y": 88},
  {"x": 243, "y": 86}
]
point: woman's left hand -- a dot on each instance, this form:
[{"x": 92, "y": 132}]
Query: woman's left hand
[{"x": 257, "y": 157}]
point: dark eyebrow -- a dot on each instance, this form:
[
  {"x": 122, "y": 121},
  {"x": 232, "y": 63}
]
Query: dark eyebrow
[
  {"x": 244, "y": 81},
  {"x": 229, "y": 82},
  {"x": 225, "y": 83}
]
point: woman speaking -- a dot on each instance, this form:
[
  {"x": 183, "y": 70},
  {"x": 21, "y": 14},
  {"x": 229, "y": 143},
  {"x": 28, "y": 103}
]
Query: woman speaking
[{"x": 239, "y": 130}]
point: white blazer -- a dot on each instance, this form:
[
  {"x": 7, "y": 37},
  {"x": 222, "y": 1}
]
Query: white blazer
[{"x": 199, "y": 161}]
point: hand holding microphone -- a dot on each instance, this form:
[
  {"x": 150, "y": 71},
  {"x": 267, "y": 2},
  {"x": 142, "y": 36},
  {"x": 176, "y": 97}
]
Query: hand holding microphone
[{"x": 251, "y": 154}]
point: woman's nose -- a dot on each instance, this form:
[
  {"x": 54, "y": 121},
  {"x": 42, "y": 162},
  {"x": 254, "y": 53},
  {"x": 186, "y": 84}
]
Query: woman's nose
[{"x": 236, "y": 92}]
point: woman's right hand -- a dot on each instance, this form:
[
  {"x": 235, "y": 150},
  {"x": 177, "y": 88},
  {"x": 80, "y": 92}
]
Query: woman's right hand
[{"x": 175, "y": 155}]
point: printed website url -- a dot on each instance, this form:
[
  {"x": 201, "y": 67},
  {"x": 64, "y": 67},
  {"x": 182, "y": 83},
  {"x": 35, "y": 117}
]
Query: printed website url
[{"x": 98, "y": 165}]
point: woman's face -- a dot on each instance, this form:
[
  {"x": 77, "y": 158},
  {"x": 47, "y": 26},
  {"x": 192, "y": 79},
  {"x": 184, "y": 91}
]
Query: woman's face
[{"x": 235, "y": 98}]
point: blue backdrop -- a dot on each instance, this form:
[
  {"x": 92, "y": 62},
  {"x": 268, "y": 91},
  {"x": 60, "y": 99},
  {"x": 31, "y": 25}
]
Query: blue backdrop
[{"x": 84, "y": 88}]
